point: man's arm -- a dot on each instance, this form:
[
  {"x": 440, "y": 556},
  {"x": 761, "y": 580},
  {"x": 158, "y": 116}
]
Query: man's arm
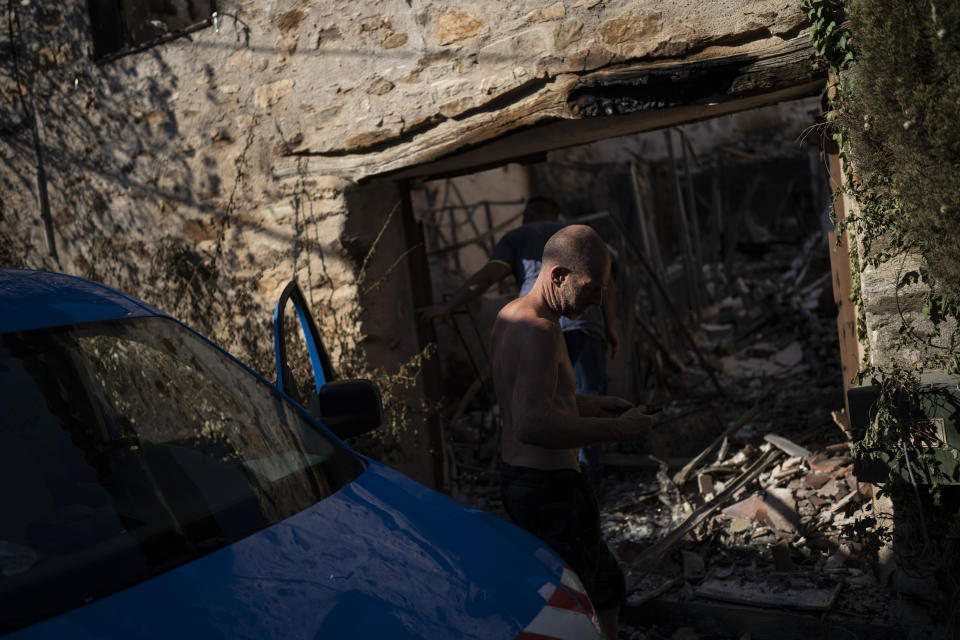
[
  {"x": 535, "y": 415},
  {"x": 486, "y": 277}
]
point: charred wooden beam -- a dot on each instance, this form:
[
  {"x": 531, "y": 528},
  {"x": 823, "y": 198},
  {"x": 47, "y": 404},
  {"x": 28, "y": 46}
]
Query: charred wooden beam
[{"x": 571, "y": 109}]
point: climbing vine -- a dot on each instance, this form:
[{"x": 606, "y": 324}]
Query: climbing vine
[
  {"x": 828, "y": 32},
  {"x": 894, "y": 112}
]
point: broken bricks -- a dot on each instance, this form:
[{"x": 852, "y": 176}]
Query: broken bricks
[
  {"x": 791, "y": 518},
  {"x": 775, "y": 508},
  {"x": 827, "y": 464}
]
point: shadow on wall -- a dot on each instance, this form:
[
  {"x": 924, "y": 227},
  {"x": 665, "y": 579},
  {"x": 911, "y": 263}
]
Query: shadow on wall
[{"x": 133, "y": 202}]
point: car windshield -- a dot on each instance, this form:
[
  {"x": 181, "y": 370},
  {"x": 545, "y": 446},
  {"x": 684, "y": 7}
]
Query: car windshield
[{"x": 130, "y": 447}]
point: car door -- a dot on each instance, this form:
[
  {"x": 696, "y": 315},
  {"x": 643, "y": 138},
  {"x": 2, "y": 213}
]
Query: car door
[
  {"x": 347, "y": 407},
  {"x": 320, "y": 366}
]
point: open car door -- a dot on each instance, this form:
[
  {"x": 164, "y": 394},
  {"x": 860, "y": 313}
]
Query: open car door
[{"x": 347, "y": 407}]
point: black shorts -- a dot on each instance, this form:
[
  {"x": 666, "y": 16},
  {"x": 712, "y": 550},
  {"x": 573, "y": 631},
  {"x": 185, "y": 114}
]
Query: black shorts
[{"x": 559, "y": 507}]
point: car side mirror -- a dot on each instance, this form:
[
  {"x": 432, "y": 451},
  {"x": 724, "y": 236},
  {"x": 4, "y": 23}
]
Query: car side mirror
[{"x": 348, "y": 408}]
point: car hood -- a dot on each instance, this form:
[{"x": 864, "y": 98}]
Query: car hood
[{"x": 383, "y": 557}]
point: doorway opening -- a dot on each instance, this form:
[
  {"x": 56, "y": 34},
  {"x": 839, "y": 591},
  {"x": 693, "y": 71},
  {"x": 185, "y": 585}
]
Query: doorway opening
[
  {"x": 718, "y": 231},
  {"x": 726, "y": 315}
]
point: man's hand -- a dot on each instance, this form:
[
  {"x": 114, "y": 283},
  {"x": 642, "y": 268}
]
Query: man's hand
[
  {"x": 490, "y": 274},
  {"x": 612, "y": 406},
  {"x": 601, "y": 406},
  {"x": 636, "y": 424}
]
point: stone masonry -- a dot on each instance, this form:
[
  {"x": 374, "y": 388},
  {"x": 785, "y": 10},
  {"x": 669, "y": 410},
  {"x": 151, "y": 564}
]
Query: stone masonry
[{"x": 204, "y": 171}]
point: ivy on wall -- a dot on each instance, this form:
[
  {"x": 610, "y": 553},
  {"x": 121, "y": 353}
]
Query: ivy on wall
[
  {"x": 895, "y": 115},
  {"x": 894, "y": 103},
  {"x": 902, "y": 122}
]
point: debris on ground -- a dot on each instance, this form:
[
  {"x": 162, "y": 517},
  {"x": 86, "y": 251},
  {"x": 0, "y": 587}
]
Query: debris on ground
[{"x": 767, "y": 511}]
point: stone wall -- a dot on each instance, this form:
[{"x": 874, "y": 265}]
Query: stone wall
[
  {"x": 204, "y": 171},
  {"x": 898, "y": 331}
]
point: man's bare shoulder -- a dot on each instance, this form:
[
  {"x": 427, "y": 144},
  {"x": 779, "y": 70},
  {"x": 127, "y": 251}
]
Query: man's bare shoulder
[
  {"x": 519, "y": 325},
  {"x": 520, "y": 312}
]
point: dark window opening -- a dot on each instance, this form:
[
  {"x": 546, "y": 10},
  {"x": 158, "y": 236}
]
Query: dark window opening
[{"x": 126, "y": 26}]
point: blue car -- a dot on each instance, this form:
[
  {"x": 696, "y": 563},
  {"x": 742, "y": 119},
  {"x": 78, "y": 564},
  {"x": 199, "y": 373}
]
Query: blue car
[{"x": 155, "y": 487}]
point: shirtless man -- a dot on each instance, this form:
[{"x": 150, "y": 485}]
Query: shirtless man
[{"x": 545, "y": 422}]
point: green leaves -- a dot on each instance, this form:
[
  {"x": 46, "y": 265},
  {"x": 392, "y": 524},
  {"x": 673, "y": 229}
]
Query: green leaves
[
  {"x": 937, "y": 307},
  {"x": 830, "y": 38}
]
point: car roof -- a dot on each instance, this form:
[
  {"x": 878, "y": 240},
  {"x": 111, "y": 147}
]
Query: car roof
[{"x": 40, "y": 299}]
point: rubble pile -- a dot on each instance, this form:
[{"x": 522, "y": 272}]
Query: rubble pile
[
  {"x": 745, "y": 496},
  {"x": 797, "y": 532},
  {"x": 769, "y": 514}
]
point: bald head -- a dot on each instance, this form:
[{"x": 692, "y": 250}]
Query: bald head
[{"x": 578, "y": 248}]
